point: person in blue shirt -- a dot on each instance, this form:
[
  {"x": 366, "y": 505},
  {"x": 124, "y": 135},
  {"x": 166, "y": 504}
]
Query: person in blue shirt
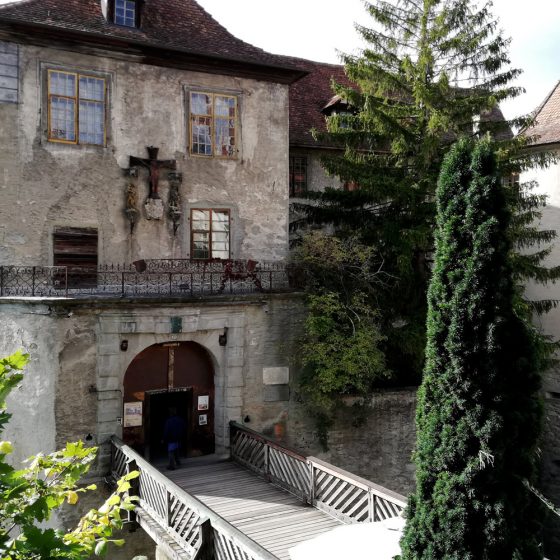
[{"x": 173, "y": 433}]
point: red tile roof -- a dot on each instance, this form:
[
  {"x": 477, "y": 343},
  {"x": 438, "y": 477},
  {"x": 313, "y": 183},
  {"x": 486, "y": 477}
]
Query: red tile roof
[
  {"x": 313, "y": 93},
  {"x": 309, "y": 96},
  {"x": 181, "y": 25},
  {"x": 546, "y": 129}
]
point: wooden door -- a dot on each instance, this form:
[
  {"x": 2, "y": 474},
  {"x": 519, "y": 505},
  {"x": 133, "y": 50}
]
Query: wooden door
[{"x": 178, "y": 375}]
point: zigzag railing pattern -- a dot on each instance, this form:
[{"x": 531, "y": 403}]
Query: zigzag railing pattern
[
  {"x": 199, "y": 532},
  {"x": 337, "y": 492},
  {"x": 282, "y": 466}
]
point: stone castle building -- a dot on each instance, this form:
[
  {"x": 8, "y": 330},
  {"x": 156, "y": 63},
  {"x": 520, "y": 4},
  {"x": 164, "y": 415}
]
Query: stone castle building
[
  {"x": 86, "y": 86},
  {"x": 147, "y": 165}
]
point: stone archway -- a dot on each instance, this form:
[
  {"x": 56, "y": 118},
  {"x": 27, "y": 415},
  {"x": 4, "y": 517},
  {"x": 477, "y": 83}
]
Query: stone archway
[{"x": 177, "y": 375}]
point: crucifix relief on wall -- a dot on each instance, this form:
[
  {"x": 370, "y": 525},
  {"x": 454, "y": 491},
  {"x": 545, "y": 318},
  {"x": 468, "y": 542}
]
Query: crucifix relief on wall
[{"x": 154, "y": 205}]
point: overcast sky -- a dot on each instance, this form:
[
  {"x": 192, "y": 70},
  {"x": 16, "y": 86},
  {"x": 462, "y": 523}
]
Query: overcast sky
[{"x": 315, "y": 29}]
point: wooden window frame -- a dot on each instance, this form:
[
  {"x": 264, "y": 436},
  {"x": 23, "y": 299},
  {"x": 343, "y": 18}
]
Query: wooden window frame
[
  {"x": 136, "y": 14},
  {"x": 213, "y": 119},
  {"x": 76, "y": 99},
  {"x": 209, "y": 231},
  {"x": 300, "y": 191}
]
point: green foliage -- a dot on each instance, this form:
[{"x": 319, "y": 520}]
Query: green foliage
[
  {"x": 478, "y": 415},
  {"x": 432, "y": 71},
  {"x": 29, "y": 495},
  {"x": 340, "y": 351}
]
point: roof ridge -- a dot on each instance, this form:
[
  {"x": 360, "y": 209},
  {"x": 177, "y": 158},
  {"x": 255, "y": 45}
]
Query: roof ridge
[
  {"x": 176, "y": 25},
  {"x": 539, "y": 109}
]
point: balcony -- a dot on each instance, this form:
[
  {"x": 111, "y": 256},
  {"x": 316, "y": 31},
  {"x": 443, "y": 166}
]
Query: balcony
[{"x": 161, "y": 278}]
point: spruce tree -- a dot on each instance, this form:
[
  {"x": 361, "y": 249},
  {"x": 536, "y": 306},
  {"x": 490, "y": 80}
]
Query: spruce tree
[
  {"x": 478, "y": 415},
  {"x": 432, "y": 71}
]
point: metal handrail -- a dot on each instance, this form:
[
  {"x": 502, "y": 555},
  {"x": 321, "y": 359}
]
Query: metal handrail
[{"x": 163, "y": 278}]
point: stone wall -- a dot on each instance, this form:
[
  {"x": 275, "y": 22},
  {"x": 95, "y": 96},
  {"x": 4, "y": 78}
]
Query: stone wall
[
  {"x": 45, "y": 185},
  {"x": 78, "y": 366},
  {"x": 377, "y": 445}
]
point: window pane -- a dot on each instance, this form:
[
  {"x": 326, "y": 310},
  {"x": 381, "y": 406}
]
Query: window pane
[
  {"x": 201, "y": 139},
  {"x": 92, "y": 123},
  {"x": 298, "y": 175},
  {"x": 219, "y": 237},
  {"x": 62, "y": 119},
  {"x": 200, "y": 220},
  {"x": 225, "y": 138},
  {"x": 220, "y": 220},
  {"x": 220, "y": 254},
  {"x": 125, "y": 12},
  {"x": 62, "y": 83},
  {"x": 201, "y": 245},
  {"x": 224, "y": 106},
  {"x": 201, "y": 104},
  {"x": 92, "y": 88}
]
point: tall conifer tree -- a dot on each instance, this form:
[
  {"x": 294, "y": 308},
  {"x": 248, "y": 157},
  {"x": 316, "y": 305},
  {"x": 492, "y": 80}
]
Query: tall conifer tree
[
  {"x": 478, "y": 414},
  {"x": 433, "y": 70}
]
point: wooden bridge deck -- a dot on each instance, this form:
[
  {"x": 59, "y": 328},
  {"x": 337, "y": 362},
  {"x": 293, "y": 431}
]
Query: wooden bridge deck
[
  {"x": 210, "y": 509},
  {"x": 268, "y": 515}
]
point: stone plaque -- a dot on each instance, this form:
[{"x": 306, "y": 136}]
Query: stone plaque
[
  {"x": 276, "y": 393},
  {"x": 276, "y": 375},
  {"x": 176, "y": 325},
  {"x": 154, "y": 208}
]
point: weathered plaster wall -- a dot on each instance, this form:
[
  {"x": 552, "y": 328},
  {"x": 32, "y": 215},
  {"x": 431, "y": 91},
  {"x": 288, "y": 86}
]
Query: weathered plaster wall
[
  {"x": 33, "y": 425},
  {"x": 549, "y": 184},
  {"x": 45, "y": 184},
  {"x": 81, "y": 367},
  {"x": 317, "y": 178}
]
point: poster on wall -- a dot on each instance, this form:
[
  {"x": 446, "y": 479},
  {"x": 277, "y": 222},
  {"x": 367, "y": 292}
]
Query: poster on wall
[
  {"x": 203, "y": 419},
  {"x": 132, "y": 414},
  {"x": 203, "y": 402}
]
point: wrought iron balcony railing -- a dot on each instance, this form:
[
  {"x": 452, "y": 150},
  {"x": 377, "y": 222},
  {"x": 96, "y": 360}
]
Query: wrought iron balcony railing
[{"x": 150, "y": 278}]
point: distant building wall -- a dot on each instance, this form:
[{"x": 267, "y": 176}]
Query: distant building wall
[{"x": 549, "y": 184}]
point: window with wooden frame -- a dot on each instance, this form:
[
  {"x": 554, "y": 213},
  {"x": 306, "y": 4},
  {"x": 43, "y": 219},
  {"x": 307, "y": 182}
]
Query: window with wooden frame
[
  {"x": 76, "y": 108},
  {"x": 298, "y": 175},
  {"x": 76, "y": 249},
  {"x": 210, "y": 233},
  {"x": 125, "y": 12},
  {"x": 213, "y": 124}
]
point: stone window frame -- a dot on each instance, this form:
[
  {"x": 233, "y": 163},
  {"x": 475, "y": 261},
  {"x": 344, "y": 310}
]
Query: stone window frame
[
  {"x": 108, "y": 77},
  {"x": 225, "y": 92}
]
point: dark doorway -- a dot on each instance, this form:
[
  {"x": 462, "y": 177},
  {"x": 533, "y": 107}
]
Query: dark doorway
[
  {"x": 174, "y": 374},
  {"x": 158, "y": 406}
]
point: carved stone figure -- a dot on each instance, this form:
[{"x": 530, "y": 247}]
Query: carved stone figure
[
  {"x": 130, "y": 205},
  {"x": 175, "y": 211}
]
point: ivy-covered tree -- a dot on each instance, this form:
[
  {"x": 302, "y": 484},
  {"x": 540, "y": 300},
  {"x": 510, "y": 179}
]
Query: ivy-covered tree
[
  {"x": 29, "y": 495},
  {"x": 340, "y": 352},
  {"x": 478, "y": 415},
  {"x": 432, "y": 71}
]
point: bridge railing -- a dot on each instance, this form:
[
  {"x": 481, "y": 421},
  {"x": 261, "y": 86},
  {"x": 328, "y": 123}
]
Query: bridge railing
[
  {"x": 193, "y": 526},
  {"x": 343, "y": 495}
]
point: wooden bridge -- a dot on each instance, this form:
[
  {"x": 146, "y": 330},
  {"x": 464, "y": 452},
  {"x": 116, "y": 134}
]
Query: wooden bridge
[{"x": 220, "y": 510}]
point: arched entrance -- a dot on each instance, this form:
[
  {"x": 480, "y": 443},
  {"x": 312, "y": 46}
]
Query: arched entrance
[{"x": 175, "y": 375}]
